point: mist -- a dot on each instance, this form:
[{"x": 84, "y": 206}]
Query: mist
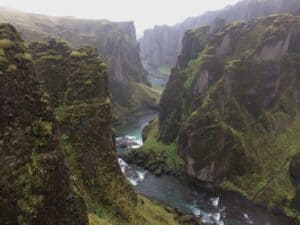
[{"x": 145, "y": 14}]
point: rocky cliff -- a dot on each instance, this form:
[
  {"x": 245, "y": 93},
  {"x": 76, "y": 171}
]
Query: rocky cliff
[
  {"x": 232, "y": 107},
  {"x": 161, "y": 45},
  {"x": 35, "y": 187},
  {"x": 115, "y": 41},
  {"x": 77, "y": 84},
  {"x": 60, "y": 168}
]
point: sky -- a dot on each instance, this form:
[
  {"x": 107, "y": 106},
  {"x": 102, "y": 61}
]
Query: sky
[{"x": 144, "y": 13}]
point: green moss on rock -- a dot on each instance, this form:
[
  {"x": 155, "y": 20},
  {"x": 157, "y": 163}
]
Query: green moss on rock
[
  {"x": 234, "y": 106},
  {"x": 35, "y": 187},
  {"x": 78, "y": 89}
]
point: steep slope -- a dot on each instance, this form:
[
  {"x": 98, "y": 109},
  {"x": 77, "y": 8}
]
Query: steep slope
[
  {"x": 62, "y": 172},
  {"x": 77, "y": 84},
  {"x": 161, "y": 45},
  {"x": 115, "y": 41},
  {"x": 232, "y": 107},
  {"x": 34, "y": 181}
]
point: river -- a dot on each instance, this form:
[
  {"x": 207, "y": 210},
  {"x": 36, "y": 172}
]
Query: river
[
  {"x": 223, "y": 209},
  {"x": 216, "y": 210}
]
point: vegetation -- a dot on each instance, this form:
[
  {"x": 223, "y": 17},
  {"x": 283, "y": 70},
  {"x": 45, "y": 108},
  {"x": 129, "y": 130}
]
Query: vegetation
[
  {"x": 158, "y": 150},
  {"x": 35, "y": 185},
  {"x": 146, "y": 212},
  {"x": 165, "y": 70},
  {"x": 237, "y": 128},
  {"x": 116, "y": 42},
  {"x": 155, "y": 155}
]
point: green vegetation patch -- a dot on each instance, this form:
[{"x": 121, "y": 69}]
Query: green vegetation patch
[
  {"x": 160, "y": 151},
  {"x": 12, "y": 68},
  {"x": 78, "y": 54},
  {"x": 165, "y": 70},
  {"x": 51, "y": 57},
  {"x": 146, "y": 212},
  {"x": 5, "y": 43},
  {"x": 24, "y": 56}
]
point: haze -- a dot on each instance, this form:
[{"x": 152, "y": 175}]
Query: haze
[{"x": 144, "y": 13}]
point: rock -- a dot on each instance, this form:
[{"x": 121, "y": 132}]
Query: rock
[
  {"x": 178, "y": 212},
  {"x": 169, "y": 209},
  {"x": 186, "y": 219},
  {"x": 118, "y": 45},
  {"x": 222, "y": 101},
  {"x": 125, "y": 142},
  {"x": 189, "y": 220},
  {"x": 77, "y": 85},
  {"x": 35, "y": 188},
  {"x": 158, "y": 172},
  {"x": 294, "y": 168},
  {"x": 161, "y": 45},
  {"x": 294, "y": 171},
  {"x": 153, "y": 167}
]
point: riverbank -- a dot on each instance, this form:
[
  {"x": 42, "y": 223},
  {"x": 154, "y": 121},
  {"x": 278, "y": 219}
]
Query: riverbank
[{"x": 212, "y": 207}]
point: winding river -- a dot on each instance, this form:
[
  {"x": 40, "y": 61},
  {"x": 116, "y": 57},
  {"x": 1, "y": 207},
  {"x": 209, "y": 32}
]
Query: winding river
[
  {"x": 224, "y": 209},
  {"x": 215, "y": 210}
]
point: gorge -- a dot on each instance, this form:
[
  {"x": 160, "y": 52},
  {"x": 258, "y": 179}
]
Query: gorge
[{"x": 199, "y": 126}]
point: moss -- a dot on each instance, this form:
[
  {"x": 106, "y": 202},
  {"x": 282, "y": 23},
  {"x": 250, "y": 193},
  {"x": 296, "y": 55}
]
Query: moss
[
  {"x": 5, "y": 44},
  {"x": 88, "y": 82},
  {"x": 160, "y": 151},
  {"x": 193, "y": 69},
  {"x": 78, "y": 54},
  {"x": 247, "y": 121},
  {"x": 78, "y": 89},
  {"x": 41, "y": 128},
  {"x": 51, "y": 57},
  {"x": 146, "y": 212},
  {"x": 229, "y": 186},
  {"x": 24, "y": 56},
  {"x": 2, "y": 52},
  {"x": 165, "y": 70},
  {"x": 12, "y": 68},
  {"x": 3, "y": 59},
  {"x": 29, "y": 203}
]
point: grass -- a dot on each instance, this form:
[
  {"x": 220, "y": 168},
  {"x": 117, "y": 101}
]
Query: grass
[
  {"x": 78, "y": 54},
  {"x": 24, "y": 56},
  {"x": 144, "y": 96},
  {"x": 51, "y": 57},
  {"x": 12, "y": 68},
  {"x": 165, "y": 70},
  {"x": 5, "y": 44},
  {"x": 172, "y": 160},
  {"x": 147, "y": 213}
]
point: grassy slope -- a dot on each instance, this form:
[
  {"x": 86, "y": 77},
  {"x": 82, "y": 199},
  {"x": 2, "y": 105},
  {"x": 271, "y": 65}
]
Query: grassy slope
[
  {"x": 157, "y": 149},
  {"x": 146, "y": 210}
]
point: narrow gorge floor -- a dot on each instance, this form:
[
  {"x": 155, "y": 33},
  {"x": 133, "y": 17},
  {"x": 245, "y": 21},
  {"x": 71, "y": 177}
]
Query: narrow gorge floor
[{"x": 215, "y": 210}]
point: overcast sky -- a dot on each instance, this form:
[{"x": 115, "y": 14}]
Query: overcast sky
[{"x": 145, "y": 13}]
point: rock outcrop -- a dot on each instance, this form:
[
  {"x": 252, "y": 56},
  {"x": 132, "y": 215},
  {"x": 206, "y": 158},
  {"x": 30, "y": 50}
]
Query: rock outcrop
[
  {"x": 232, "y": 105},
  {"x": 77, "y": 84},
  {"x": 35, "y": 187},
  {"x": 115, "y": 41},
  {"x": 295, "y": 175},
  {"x": 60, "y": 168},
  {"x": 161, "y": 45}
]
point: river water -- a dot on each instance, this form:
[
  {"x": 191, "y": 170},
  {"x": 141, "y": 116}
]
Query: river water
[{"x": 216, "y": 210}]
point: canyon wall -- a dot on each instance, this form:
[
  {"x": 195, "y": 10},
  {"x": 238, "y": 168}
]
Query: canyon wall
[{"x": 232, "y": 107}]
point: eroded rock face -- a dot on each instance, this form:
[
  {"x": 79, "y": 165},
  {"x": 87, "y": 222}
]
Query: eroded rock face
[
  {"x": 116, "y": 42},
  {"x": 231, "y": 104},
  {"x": 35, "y": 187},
  {"x": 161, "y": 45},
  {"x": 77, "y": 84},
  {"x": 295, "y": 175}
]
